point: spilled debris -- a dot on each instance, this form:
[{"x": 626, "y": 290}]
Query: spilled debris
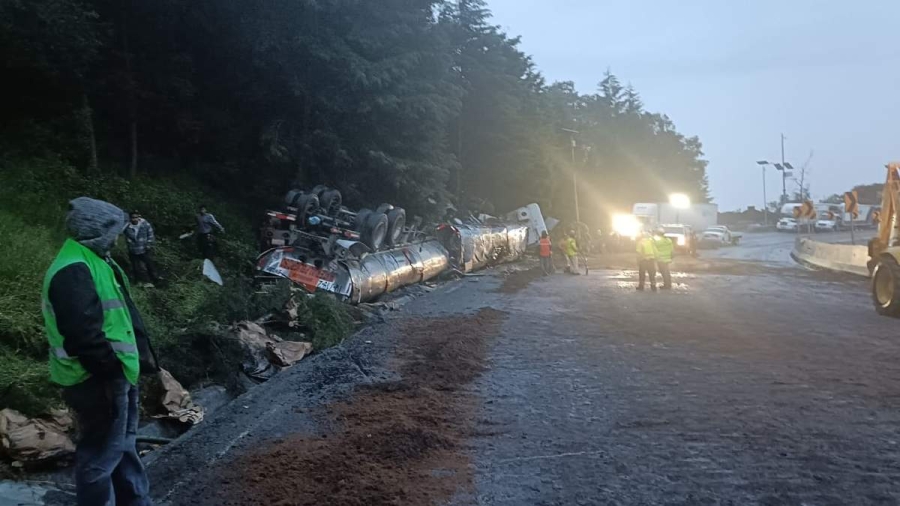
[
  {"x": 34, "y": 441},
  {"x": 400, "y": 442}
]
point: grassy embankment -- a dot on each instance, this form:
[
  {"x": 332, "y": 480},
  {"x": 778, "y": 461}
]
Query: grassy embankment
[{"x": 186, "y": 317}]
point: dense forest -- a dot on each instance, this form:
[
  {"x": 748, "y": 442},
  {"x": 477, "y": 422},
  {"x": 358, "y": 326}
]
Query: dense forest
[{"x": 397, "y": 100}]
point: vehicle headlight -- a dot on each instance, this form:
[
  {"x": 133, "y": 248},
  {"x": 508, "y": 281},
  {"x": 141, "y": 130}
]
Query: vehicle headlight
[
  {"x": 681, "y": 240},
  {"x": 626, "y": 225}
]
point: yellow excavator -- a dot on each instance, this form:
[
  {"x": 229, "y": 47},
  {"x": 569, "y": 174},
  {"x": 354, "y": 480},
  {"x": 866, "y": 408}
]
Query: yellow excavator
[{"x": 884, "y": 249}]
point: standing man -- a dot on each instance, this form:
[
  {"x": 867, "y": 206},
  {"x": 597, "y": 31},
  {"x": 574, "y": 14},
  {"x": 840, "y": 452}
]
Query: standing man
[
  {"x": 646, "y": 252},
  {"x": 140, "y": 240},
  {"x": 664, "y": 251},
  {"x": 98, "y": 347},
  {"x": 546, "y": 252},
  {"x": 205, "y": 224},
  {"x": 571, "y": 249}
]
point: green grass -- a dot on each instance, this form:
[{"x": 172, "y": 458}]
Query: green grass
[{"x": 185, "y": 318}]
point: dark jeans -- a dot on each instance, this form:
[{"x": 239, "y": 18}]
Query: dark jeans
[
  {"x": 547, "y": 265},
  {"x": 108, "y": 469},
  {"x": 666, "y": 274},
  {"x": 141, "y": 264},
  {"x": 206, "y": 243},
  {"x": 647, "y": 268}
]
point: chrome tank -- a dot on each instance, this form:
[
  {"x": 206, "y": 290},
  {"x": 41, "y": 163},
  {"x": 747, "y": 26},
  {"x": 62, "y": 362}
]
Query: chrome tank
[{"x": 386, "y": 271}]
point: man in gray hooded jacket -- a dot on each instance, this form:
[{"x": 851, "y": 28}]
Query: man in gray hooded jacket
[{"x": 95, "y": 331}]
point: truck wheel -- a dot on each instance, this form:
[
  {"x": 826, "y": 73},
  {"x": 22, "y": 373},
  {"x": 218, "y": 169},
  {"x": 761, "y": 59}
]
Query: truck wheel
[
  {"x": 306, "y": 204},
  {"x": 383, "y": 208},
  {"x": 330, "y": 201},
  {"x": 319, "y": 189},
  {"x": 291, "y": 197},
  {"x": 359, "y": 222},
  {"x": 374, "y": 230},
  {"x": 886, "y": 286},
  {"x": 396, "y": 221}
]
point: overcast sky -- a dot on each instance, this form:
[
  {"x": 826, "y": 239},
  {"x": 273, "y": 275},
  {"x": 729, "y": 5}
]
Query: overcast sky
[{"x": 738, "y": 73}]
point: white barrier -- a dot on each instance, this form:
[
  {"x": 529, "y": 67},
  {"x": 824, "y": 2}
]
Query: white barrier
[{"x": 834, "y": 257}]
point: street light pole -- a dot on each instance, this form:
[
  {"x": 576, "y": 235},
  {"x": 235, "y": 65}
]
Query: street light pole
[
  {"x": 763, "y": 163},
  {"x": 783, "y": 174},
  {"x": 572, "y": 134}
]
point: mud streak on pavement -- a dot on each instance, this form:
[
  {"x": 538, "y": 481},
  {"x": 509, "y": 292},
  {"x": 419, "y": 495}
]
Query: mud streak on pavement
[{"x": 400, "y": 442}]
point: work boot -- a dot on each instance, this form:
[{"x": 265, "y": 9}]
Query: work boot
[
  {"x": 639, "y": 288},
  {"x": 652, "y": 288}
]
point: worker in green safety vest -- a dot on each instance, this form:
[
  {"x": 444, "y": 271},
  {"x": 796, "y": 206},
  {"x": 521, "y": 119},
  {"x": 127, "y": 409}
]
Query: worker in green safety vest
[
  {"x": 98, "y": 348},
  {"x": 664, "y": 251},
  {"x": 646, "y": 256}
]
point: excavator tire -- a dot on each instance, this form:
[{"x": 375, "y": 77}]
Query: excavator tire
[{"x": 886, "y": 286}]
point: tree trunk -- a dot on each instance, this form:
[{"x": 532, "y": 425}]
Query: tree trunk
[{"x": 88, "y": 118}]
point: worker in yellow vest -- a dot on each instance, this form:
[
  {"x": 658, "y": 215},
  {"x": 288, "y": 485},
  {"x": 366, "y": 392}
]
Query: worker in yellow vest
[
  {"x": 570, "y": 246},
  {"x": 664, "y": 251},
  {"x": 646, "y": 255},
  {"x": 98, "y": 348}
]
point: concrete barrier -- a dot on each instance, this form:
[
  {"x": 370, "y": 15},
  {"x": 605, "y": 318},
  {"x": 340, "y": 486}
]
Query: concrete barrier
[{"x": 834, "y": 257}]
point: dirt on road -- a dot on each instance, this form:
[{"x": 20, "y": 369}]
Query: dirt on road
[{"x": 400, "y": 442}]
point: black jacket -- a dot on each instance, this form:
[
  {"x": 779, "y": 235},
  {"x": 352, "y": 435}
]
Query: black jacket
[{"x": 79, "y": 317}]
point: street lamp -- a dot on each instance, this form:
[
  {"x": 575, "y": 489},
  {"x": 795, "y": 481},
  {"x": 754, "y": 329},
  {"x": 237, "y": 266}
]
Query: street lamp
[
  {"x": 679, "y": 201},
  {"x": 763, "y": 163}
]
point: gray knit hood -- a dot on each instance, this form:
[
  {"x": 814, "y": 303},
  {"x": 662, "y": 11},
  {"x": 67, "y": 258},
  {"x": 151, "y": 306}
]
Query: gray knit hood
[{"x": 95, "y": 224}]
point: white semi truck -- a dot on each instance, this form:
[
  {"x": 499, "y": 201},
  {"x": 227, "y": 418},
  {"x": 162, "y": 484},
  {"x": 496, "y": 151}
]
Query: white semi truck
[{"x": 697, "y": 216}]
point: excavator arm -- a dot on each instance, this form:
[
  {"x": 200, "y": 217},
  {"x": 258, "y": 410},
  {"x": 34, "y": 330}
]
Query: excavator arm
[{"x": 884, "y": 249}]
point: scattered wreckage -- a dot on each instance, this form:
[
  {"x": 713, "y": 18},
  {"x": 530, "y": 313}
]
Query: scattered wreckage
[{"x": 321, "y": 245}]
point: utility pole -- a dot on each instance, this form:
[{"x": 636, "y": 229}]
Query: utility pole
[
  {"x": 572, "y": 134},
  {"x": 783, "y": 174}
]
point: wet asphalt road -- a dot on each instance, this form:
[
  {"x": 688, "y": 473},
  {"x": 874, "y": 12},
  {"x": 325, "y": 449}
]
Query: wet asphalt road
[
  {"x": 774, "y": 248},
  {"x": 778, "y": 388}
]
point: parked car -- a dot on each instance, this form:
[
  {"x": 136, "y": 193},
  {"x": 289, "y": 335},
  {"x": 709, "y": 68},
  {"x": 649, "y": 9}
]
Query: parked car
[
  {"x": 826, "y": 225},
  {"x": 723, "y": 234},
  {"x": 786, "y": 225},
  {"x": 683, "y": 237}
]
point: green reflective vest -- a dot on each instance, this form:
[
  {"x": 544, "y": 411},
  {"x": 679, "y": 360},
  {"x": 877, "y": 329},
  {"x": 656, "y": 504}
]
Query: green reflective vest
[
  {"x": 664, "y": 249},
  {"x": 571, "y": 247},
  {"x": 66, "y": 370},
  {"x": 646, "y": 248}
]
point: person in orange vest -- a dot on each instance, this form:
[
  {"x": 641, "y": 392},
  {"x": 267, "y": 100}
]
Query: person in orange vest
[{"x": 546, "y": 254}]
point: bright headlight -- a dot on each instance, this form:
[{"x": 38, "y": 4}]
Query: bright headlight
[
  {"x": 626, "y": 225},
  {"x": 681, "y": 240}
]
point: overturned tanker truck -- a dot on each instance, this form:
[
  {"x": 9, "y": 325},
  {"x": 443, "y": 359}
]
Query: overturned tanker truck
[{"x": 321, "y": 245}]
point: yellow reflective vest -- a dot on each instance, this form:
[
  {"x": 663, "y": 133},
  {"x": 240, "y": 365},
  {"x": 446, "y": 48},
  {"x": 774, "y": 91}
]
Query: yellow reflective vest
[
  {"x": 664, "y": 249},
  {"x": 646, "y": 248}
]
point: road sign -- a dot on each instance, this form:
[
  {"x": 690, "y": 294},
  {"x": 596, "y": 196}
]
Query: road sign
[
  {"x": 808, "y": 210},
  {"x": 851, "y": 203}
]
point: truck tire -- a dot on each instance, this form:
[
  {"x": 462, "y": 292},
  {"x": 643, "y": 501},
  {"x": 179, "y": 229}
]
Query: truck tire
[
  {"x": 319, "y": 189},
  {"x": 306, "y": 204},
  {"x": 396, "y": 221},
  {"x": 330, "y": 201},
  {"x": 359, "y": 222},
  {"x": 291, "y": 197},
  {"x": 374, "y": 230},
  {"x": 886, "y": 286},
  {"x": 384, "y": 208}
]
